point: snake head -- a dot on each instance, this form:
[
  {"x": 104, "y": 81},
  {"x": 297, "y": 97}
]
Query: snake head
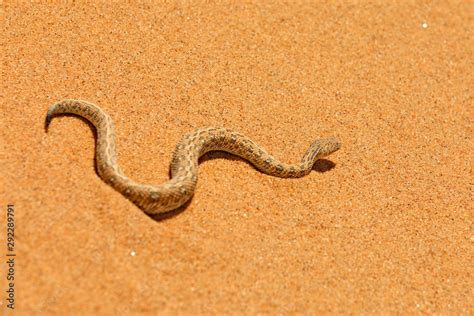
[
  {"x": 330, "y": 145},
  {"x": 323, "y": 147}
]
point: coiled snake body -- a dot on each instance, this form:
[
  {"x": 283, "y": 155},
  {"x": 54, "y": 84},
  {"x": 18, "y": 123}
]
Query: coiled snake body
[{"x": 179, "y": 189}]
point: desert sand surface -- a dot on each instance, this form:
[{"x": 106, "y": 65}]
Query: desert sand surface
[{"x": 383, "y": 226}]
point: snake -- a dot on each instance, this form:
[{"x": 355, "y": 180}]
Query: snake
[{"x": 179, "y": 189}]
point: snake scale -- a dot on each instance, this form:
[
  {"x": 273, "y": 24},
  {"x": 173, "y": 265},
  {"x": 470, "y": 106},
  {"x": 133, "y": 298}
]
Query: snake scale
[{"x": 154, "y": 199}]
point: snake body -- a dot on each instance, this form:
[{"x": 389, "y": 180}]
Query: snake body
[{"x": 154, "y": 199}]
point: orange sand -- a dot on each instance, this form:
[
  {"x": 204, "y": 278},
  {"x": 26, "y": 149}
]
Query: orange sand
[{"x": 385, "y": 230}]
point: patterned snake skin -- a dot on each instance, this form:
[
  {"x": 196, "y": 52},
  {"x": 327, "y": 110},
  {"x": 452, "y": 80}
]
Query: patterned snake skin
[{"x": 154, "y": 199}]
